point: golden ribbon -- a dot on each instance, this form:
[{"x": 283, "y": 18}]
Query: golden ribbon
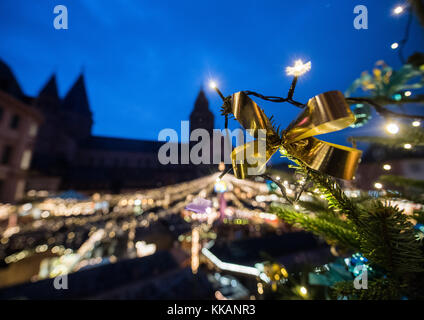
[{"x": 324, "y": 113}]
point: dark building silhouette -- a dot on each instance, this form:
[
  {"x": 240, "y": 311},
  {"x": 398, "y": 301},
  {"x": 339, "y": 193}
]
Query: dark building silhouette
[
  {"x": 201, "y": 117},
  {"x": 19, "y": 124},
  {"x": 68, "y": 156}
]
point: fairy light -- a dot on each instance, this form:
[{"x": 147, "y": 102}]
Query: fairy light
[
  {"x": 303, "y": 291},
  {"x": 195, "y": 248},
  {"x": 299, "y": 68},
  {"x": 407, "y": 146},
  {"x": 378, "y": 185},
  {"x": 416, "y": 123},
  {"x": 392, "y": 128},
  {"x": 398, "y": 10},
  {"x": 394, "y": 45},
  {"x": 387, "y": 167}
]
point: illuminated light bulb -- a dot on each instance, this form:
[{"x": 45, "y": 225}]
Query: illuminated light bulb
[
  {"x": 394, "y": 45},
  {"x": 392, "y": 128},
  {"x": 407, "y": 146},
  {"x": 407, "y": 93},
  {"x": 299, "y": 68},
  {"x": 398, "y": 10},
  {"x": 212, "y": 84},
  {"x": 303, "y": 291},
  {"x": 416, "y": 123},
  {"x": 378, "y": 185},
  {"x": 387, "y": 167}
]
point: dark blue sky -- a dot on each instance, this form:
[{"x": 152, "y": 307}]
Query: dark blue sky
[{"x": 144, "y": 61}]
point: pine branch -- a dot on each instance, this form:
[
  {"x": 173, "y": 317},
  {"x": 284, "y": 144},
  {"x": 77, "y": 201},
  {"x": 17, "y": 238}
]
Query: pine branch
[
  {"x": 388, "y": 239},
  {"x": 335, "y": 231},
  {"x": 378, "y": 289}
]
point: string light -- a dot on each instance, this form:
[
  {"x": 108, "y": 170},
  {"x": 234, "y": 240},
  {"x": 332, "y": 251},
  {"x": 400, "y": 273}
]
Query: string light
[
  {"x": 392, "y": 128},
  {"x": 394, "y": 45},
  {"x": 378, "y": 185},
  {"x": 416, "y": 123},
  {"x": 299, "y": 68},
  {"x": 407, "y": 146},
  {"x": 387, "y": 167},
  {"x": 398, "y": 10},
  {"x": 303, "y": 291}
]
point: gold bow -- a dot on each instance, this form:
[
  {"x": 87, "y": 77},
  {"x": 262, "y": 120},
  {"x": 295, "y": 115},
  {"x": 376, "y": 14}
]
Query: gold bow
[{"x": 324, "y": 113}]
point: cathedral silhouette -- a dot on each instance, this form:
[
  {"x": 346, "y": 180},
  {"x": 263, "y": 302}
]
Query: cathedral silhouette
[{"x": 66, "y": 155}]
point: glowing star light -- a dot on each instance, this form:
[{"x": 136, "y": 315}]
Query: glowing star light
[{"x": 299, "y": 68}]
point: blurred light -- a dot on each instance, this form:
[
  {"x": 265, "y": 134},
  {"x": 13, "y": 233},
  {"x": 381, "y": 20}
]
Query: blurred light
[
  {"x": 392, "y": 128},
  {"x": 407, "y": 93},
  {"x": 303, "y": 291},
  {"x": 416, "y": 123},
  {"x": 212, "y": 84},
  {"x": 397, "y": 96},
  {"x": 378, "y": 185},
  {"x": 277, "y": 178},
  {"x": 394, "y": 45},
  {"x": 407, "y": 146},
  {"x": 398, "y": 10},
  {"x": 387, "y": 167}
]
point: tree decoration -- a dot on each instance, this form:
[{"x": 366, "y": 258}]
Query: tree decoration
[{"x": 324, "y": 113}]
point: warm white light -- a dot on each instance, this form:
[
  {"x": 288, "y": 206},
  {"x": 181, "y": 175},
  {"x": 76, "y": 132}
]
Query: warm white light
[
  {"x": 212, "y": 84},
  {"x": 407, "y": 93},
  {"x": 392, "y": 128},
  {"x": 387, "y": 167},
  {"x": 299, "y": 68},
  {"x": 394, "y": 45},
  {"x": 378, "y": 185},
  {"x": 303, "y": 291},
  {"x": 277, "y": 178},
  {"x": 407, "y": 146},
  {"x": 416, "y": 123},
  {"x": 398, "y": 10}
]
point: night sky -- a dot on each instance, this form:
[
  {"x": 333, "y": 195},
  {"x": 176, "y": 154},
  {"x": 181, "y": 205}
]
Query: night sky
[{"x": 145, "y": 61}]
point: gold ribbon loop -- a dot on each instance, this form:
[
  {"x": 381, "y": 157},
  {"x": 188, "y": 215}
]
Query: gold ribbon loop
[{"x": 324, "y": 113}]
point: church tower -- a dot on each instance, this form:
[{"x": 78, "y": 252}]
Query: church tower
[
  {"x": 201, "y": 116},
  {"x": 78, "y": 117}
]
